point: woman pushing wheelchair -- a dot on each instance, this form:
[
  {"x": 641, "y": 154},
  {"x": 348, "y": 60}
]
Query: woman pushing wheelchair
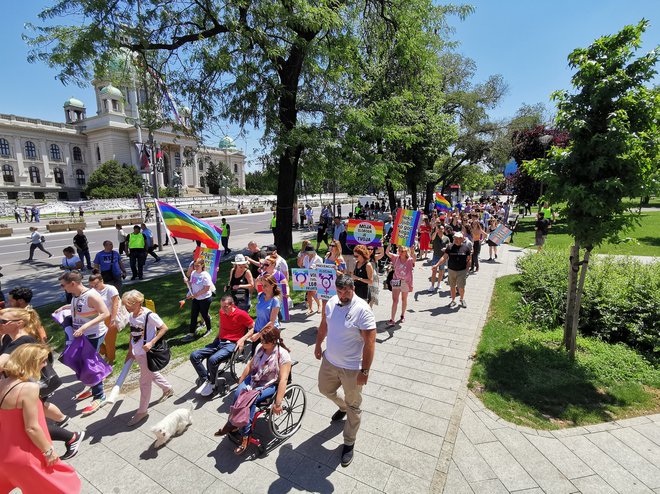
[{"x": 266, "y": 375}]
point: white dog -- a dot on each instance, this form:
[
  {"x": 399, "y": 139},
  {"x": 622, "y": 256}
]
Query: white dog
[{"x": 172, "y": 425}]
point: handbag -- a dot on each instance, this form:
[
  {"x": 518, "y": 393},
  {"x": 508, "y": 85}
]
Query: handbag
[
  {"x": 122, "y": 317},
  {"x": 239, "y": 412},
  {"x": 160, "y": 354},
  {"x": 49, "y": 381}
]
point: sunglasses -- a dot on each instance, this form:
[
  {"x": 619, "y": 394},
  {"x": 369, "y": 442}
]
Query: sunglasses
[{"x": 5, "y": 321}]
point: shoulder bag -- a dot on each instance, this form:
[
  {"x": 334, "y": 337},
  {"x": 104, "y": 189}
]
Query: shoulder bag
[{"x": 159, "y": 355}]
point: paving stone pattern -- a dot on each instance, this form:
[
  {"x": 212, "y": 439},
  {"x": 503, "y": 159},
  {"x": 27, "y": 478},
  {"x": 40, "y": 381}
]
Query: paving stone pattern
[{"x": 422, "y": 431}]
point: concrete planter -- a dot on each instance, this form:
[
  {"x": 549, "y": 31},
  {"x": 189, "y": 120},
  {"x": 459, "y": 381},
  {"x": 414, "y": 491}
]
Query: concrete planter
[
  {"x": 245, "y": 211},
  {"x": 107, "y": 223},
  {"x": 229, "y": 212},
  {"x": 6, "y": 232},
  {"x": 205, "y": 214},
  {"x": 75, "y": 226},
  {"x": 257, "y": 210},
  {"x": 59, "y": 227}
]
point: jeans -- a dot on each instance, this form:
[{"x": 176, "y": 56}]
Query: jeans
[
  {"x": 84, "y": 256},
  {"x": 97, "y": 389},
  {"x": 225, "y": 244},
  {"x": 137, "y": 259},
  {"x": 476, "y": 250},
  {"x": 214, "y": 353},
  {"x": 39, "y": 246},
  {"x": 200, "y": 307},
  {"x": 265, "y": 393}
]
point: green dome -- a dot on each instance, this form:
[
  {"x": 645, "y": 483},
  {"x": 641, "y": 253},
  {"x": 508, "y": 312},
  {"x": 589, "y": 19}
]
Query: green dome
[
  {"x": 119, "y": 69},
  {"x": 226, "y": 143},
  {"x": 112, "y": 91},
  {"x": 74, "y": 102}
]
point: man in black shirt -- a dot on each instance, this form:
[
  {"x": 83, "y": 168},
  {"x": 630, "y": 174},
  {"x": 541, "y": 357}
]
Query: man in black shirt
[
  {"x": 82, "y": 246},
  {"x": 458, "y": 256},
  {"x": 542, "y": 226}
]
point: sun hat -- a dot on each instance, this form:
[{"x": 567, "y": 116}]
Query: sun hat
[
  {"x": 239, "y": 259},
  {"x": 458, "y": 235}
]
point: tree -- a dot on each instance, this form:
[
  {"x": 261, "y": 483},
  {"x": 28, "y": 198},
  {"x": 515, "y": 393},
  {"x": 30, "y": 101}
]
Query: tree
[
  {"x": 112, "y": 180},
  {"x": 613, "y": 122},
  {"x": 261, "y": 182}
]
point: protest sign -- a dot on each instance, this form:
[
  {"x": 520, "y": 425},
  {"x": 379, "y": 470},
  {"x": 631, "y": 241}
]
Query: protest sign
[
  {"x": 211, "y": 260},
  {"x": 499, "y": 235},
  {"x": 405, "y": 226},
  {"x": 363, "y": 232},
  {"x": 326, "y": 275}
]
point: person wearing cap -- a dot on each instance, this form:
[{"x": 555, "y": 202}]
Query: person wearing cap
[
  {"x": 240, "y": 282},
  {"x": 310, "y": 261},
  {"x": 459, "y": 257}
]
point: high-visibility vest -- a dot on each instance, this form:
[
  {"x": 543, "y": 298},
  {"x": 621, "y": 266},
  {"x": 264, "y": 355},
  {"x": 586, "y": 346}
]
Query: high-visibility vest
[
  {"x": 136, "y": 241},
  {"x": 273, "y": 221}
]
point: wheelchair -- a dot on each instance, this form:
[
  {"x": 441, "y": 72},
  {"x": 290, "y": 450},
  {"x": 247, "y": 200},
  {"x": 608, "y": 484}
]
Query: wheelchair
[
  {"x": 235, "y": 365},
  {"x": 284, "y": 425}
]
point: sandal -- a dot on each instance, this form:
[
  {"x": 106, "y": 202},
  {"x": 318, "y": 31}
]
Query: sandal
[
  {"x": 228, "y": 428},
  {"x": 244, "y": 445},
  {"x": 403, "y": 318},
  {"x": 390, "y": 323}
]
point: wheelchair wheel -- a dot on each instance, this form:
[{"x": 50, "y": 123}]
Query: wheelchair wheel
[
  {"x": 294, "y": 404},
  {"x": 239, "y": 360}
]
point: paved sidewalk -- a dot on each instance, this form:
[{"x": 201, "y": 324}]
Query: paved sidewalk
[{"x": 421, "y": 430}]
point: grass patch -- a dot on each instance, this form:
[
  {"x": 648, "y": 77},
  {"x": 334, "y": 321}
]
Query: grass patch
[
  {"x": 642, "y": 240},
  {"x": 525, "y": 376},
  {"x": 166, "y": 292}
]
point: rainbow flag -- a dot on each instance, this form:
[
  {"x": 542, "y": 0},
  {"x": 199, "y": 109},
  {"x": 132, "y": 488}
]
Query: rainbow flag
[
  {"x": 363, "y": 232},
  {"x": 404, "y": 231},
  {"x": 441, "y": 203},
  {"x": 182, "y": 225}
]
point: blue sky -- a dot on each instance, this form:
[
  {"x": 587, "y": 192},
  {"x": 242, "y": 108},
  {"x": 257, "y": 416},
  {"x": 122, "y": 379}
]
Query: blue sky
[{"x": 526, "y": 41}]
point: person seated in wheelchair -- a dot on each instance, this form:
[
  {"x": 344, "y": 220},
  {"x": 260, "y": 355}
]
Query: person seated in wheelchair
[
  {"x": 236, "y": 327},
  {"x": 268, "y": 372}
]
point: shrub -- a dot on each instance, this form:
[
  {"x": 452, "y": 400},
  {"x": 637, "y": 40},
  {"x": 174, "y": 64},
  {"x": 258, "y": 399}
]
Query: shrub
[{"x": 619, "y": 304}]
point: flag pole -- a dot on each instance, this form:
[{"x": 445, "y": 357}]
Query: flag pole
[{"x": 167, "y": 232}]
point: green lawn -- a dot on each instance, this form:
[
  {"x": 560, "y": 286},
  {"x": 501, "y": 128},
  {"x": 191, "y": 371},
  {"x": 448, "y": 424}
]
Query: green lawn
[
  {"x": 525, "y": 376},
  {"x": 643, "y": 240},
  {"x": 166, "y": 292}
]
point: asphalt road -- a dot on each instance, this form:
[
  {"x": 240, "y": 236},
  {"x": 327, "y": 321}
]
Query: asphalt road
[{"x": 42, "y": 273}]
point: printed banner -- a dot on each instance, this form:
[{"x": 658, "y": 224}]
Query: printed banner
[
  {"x": 326, "y": 275},
  {"x": 404, "y": 231},
  {"x": 500, "y": 234},
  {"x": 362, "y": 232},
  {"x": 303, "y": 279},
  {"x": 211, "y": 260}
]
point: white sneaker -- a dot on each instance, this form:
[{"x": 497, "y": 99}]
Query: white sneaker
[
  {"x": 207, "y": 390},
  {"x": 202, "y": 387},
  {"x": 432, "y": 288}
]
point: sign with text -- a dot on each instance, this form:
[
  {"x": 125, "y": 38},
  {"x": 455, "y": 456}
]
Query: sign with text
[
  {"x": 326, "y": 275},
  {"x": 404, "y": 231},
  {"x": 363, "y": 232},
  {"x": 211, "y": 260},
  {"x": 303, "y": 279},
  {"x": 499, "y": 235}
]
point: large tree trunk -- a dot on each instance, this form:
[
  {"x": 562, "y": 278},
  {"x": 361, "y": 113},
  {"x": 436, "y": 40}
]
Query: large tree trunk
[
  {"x": 413, "y": 193},
  {"x": 390, "y": 194},
  {"x": 286, "y": 192}
]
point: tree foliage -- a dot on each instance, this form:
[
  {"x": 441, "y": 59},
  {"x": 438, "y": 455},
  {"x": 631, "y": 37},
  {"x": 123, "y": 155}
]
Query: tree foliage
[{"x": 112, "y": 180}]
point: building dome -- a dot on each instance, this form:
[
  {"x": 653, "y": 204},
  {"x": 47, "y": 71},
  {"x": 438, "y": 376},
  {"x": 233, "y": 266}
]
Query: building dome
[
  {"x": 226, "y": 143},
  {"x": 74, "y": 102},
  {"x": 112, "y": 92}
]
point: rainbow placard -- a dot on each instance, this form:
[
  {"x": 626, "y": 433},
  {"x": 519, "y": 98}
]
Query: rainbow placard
[
  {"x": 362, "y": 232},
  {"x": 284, "y": 306},
  {"x": 303, "y": 279},
  {"x": 211, "y": 260},
  {"x": 326, "y": 275},
  {"x": 404, "y": 231}
]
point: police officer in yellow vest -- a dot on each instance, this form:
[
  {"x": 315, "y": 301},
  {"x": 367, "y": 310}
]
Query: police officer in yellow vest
[
  {"x": 137, "y": 251},
  {"x": 224, "y": 237},
  {"x": 273, "y": 224}
]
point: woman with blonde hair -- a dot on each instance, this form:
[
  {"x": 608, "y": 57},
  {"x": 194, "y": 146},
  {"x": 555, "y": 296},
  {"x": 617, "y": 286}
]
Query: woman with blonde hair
[
  {"x": 335, "y": 257},
  {"x": 27, "y": 457},
  {"x": 146, "y": 329},
  {"x": 402, "y": 281},
  {"x": 20, "y": 327}
]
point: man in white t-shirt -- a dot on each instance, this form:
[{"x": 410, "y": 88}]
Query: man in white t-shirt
[{"x": 350, "y": 327}]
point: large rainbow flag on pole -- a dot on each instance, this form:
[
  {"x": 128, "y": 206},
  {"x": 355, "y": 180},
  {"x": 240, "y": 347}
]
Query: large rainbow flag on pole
[
  {"x": 441, "y": 203},
  {"x": 183, "y": 225}
]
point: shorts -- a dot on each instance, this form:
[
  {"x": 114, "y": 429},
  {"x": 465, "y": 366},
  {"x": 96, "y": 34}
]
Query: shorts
[
  {"x": 457, "y": 278},
  {"x": 404, "y": 288},
  {"x": 540, "y": 239},
  {"x": 435, "y": 259}
]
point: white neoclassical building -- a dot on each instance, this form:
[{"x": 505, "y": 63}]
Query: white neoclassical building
[{"x": 52, "y": 160}]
